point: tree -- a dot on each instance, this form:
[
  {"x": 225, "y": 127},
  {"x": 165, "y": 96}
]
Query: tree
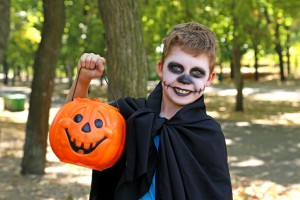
[
  {"x": 277, "y": 40},
  {"x": 83, "y": 32},
  {"x": 126, "y": 57},
  {"x": 259, "y": 37},
  {"x": 240, "y": 18},
  {"x": 236, "y": 62},
  {"x": 279, "y": 15},
  {"x": 25, "y": 35},
  {"x": 4, "y": 26},
  {"x": 34, "y": 157}
]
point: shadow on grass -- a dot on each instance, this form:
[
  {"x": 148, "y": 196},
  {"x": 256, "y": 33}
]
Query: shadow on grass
[{"x": 265, "y": 152}]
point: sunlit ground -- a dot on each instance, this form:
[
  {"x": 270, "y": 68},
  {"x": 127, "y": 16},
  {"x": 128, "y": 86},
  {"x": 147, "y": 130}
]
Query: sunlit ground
[
  {"x": 61, "y": 180},
  {"x": 269, "y": 102},
  {"x": 263, "y": 145}
]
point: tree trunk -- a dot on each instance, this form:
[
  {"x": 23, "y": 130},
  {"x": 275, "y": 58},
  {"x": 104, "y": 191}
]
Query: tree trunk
[
  {"x": 221, "y": 74},
  {"x": 34, "y": 158},
  {"x": 288, "y": 62},
  {"x": 69, "y": 72},
  {"x": 5, "y": 70},
  {"x": 256, "y": 75},
  {"x": 278, "y": 49},
  {"x": 4, "y": 26},
  {"x": 288, "y": 46},
  {"x": 231, "y": 69},
  {"x": 236, "y": 62},
  {"x": 126, "y": 58},
  {"x": 238, "y": 78}
]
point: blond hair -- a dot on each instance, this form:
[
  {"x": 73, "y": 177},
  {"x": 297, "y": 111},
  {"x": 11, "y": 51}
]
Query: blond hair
[{"x": 193, "y": 38}]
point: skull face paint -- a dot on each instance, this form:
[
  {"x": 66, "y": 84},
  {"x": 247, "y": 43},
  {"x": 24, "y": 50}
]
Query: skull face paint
[
  {"x": 187, "y": 78},
  {"x": 184, "y": 77}
]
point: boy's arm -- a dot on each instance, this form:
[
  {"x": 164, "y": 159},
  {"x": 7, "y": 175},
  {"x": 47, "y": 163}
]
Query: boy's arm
[{"x": 89, "y": 66}]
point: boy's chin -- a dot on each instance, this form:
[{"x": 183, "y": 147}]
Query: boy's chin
[{"x": 185, "y": 100}]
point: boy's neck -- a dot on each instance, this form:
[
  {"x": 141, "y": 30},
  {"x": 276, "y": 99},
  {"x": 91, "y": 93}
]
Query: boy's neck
[{"x": 168, "y": 111}]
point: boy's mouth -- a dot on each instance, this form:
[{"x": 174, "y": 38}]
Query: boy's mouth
[{"x": 179, "y": 91}]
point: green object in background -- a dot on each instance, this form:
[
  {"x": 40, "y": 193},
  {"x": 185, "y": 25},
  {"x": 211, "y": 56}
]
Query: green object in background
[{"x": 14, "y": 102}]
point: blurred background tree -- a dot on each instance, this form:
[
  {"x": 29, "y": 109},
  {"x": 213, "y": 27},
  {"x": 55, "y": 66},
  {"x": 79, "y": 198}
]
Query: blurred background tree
[
  {"x": 4, "y": 32},
  {"x": 126, "y": 57},
  {"x": 84, "y": 31},
  {"x": 35, "y": 147}
]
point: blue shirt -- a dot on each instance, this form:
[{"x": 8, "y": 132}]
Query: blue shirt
[{"x": 150, "y": 195}]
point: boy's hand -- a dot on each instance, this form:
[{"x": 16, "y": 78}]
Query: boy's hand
[{"x": 92, "y": 66}]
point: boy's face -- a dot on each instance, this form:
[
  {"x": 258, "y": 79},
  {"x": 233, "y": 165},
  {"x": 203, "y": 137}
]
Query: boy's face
[{"x": 184, "y": 77}]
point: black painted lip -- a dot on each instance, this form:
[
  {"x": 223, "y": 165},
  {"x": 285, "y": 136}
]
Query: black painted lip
[{"x": 81, "y": 148}]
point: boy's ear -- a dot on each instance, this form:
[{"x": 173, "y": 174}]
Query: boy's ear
[
  {"x": 159, "y": 69},
  {"x": 210, "y": 79}
]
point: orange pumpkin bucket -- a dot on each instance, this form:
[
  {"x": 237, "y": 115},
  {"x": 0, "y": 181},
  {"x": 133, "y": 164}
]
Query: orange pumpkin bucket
[{"x": 89, "y": 133}]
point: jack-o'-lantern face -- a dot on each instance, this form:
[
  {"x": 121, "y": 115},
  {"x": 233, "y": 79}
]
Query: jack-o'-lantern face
[
  {"x": 89, "y": 133},
  {"x": 76, "y": 143}
]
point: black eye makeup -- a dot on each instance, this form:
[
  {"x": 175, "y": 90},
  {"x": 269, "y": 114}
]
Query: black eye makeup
[
  {"x": 175, "y": 68},
  {"x": 197, "y": 72}
]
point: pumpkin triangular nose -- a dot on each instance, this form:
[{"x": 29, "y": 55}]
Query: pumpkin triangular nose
[{"x": 86, "y": 128}]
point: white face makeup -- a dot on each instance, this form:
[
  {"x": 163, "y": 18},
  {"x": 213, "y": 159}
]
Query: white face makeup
[{"x": 184, "y": 77}]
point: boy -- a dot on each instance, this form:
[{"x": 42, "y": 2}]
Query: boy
[{"x": 174, "y": 150}]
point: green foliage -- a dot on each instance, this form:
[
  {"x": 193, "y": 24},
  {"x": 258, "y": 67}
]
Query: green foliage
[
  {"x": 84, "y": 30},
  {"x": 25, "y": 33}
]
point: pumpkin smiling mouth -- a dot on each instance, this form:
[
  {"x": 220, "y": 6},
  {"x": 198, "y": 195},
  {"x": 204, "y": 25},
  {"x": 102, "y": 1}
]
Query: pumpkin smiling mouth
[{"x": 81, "y": 149}]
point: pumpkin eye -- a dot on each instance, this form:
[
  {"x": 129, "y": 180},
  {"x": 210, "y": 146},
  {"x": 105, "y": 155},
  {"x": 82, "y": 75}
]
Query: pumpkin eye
[
  {"x": 78, "y": 118},
  {"x": 98, "y": 123}
]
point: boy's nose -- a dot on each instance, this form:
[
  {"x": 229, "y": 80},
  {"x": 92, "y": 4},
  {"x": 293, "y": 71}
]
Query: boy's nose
[{"x": 185, "y": 79}]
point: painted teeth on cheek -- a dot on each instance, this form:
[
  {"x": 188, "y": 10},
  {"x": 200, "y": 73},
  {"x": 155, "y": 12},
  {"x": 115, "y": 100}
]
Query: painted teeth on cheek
[{"x": 166, "y": 85}]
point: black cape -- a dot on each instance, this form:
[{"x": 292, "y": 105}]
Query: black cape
[{"x": 191, "y": 162}]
